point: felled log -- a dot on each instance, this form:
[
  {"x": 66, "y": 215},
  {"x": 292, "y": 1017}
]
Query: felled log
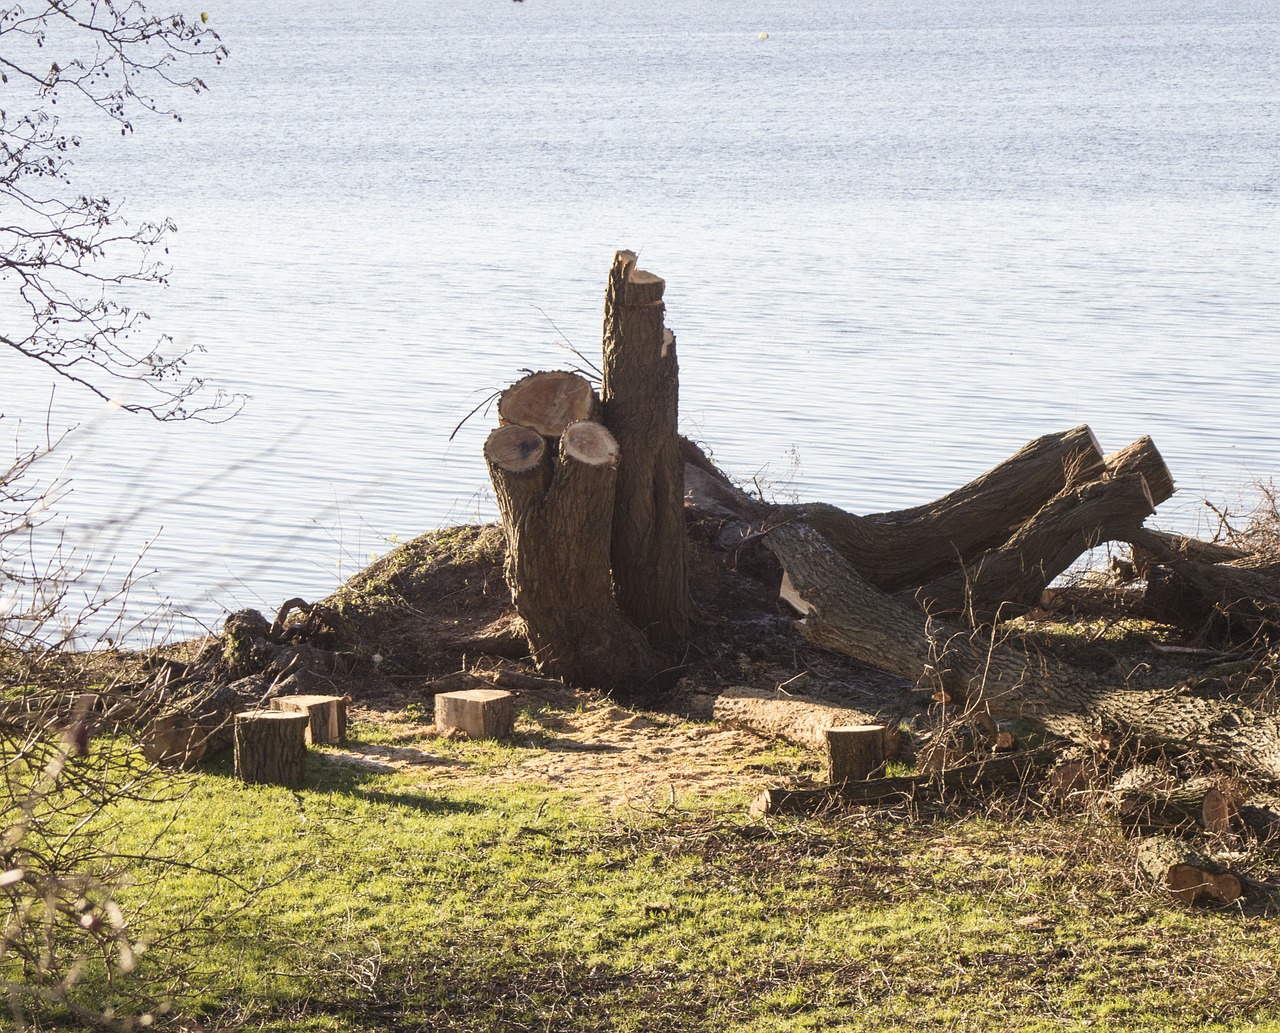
[
  {"x": 639, "y": 391},
  {"x": 1142, "y": 457},
  {"x": 271, "y": 747},
  {"x": 1179, "y": 546},
  {"x": 910, "y": 547},
  {"x": 1187, "y": 875},
  {"x": 842, "y": 612},
  {"x": 557, "y": 514},
  {"x": 1009, "y": 580},
  {"x": 326, "y": 716},
  {"x": 776, "y": 714},
  {"x": 548, "y": 402},
  {"x": 480, "y": 713},
  {"x": 1014, "y": 767},
  {"x": 1146, "y": 803},
  {"x": 854, "y": 752}
]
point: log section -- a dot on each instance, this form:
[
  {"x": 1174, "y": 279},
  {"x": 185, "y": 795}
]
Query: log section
[
  {"x": 548, "y": 402},
  {"x": 481, "y": 713},
  {"x": 854, "y": 752},
  {"x": 271, "y": 747},
  {"x": 776, "y": 714},
  {"x": 326, "y": 716},
  {"x": 640, "y": 397}
]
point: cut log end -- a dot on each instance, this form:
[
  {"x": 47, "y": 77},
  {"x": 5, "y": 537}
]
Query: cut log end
[
  {"x": 1143, "y": 457},
  {"x": 515, "y": 448},
  {"x": 1189, "y": 883},
  {"x": 480, "y": 713},
  {"x": 642, "y": 288},
  {"x": 590, "y": 443},
  {"x": 548, "y": 402}
]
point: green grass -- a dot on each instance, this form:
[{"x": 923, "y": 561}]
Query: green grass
[{"x": 383, "y": 902}]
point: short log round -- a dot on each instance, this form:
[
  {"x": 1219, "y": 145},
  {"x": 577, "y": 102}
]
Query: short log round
[
  {"x": 854, "y": 752},
  {"x": 271, "y": 747}
]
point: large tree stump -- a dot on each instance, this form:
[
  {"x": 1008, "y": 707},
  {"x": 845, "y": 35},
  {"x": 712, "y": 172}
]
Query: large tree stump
[
  {"x": 557, "y": 515},
  {"x": 481, "y": 713},
  {"x": 326, "y": 716},
  {"x": 271, "y": 747},
  {"x": 640, "y": 394},
  {"x": 854, "y": 752},
  {"x": 804, "y": 721}
]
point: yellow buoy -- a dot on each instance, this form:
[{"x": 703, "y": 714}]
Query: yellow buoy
[{"x": 764, "y": 35}]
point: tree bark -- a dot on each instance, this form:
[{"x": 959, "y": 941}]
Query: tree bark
[
  {"x": 1010, "y": 580},
  {"x": 271, "y": 747},
  {"x": 640, "y": 395},
  {"x": 844, "y": 613},
  {"x": 1143, "y": 457},
  {"x": 557, "y": 518},
  {"x": 910, "y": 547},
  {"x": 774, "y": 714},
  {"x": 1186, "y": 874},
  {"x": 854, "y": 752},
  {"x": 548, "y": 402}
]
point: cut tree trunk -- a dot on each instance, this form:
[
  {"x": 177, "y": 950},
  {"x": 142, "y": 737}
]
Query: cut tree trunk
[
  {"x": 640, "y": 395},
  {"x": 271, "y": 747},
  {"x": 904, "y": 549},
  {"x": 844, "y": 613},
  {"x": 326, "y": 716},
  {"x": 1211, "y": 804},
  {"x": 1143, "y": 457},
  {"x": 1186, "y": 874},
  {"x": 480, "y": 713},
  {"x": 854, "y": 752},
  {"x": 775, "y": 714},
  {"x": 557, "y": 517},
  {"x": 1009, "y": 580},
  {"x": 548, "y": 402}
]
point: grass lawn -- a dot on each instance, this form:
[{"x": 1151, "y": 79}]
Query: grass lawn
[{"x": 373, "y": 901}]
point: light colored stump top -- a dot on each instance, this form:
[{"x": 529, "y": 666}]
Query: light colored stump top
[
  {"x": 477, "y": 695},
  {"x": 515, "y": 448},
  {"x": 271, "y": 715},
  {"x": 866, "y": 729},
  {"x": 304, "y": 700}
]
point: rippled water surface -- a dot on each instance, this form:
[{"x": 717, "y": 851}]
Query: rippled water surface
[{"x": 899, "y": 239}]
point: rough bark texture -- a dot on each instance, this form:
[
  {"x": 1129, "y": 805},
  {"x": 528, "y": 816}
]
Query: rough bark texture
[
  {"x": 1186, "y": 874},
  {"x": 854, "y": 752},
  {"x": 548, "y": 402},
  {"x": 1211, "y": 804},
  {"x": 1011, "y": 579},
  {"x": 776, "y": 714},
  {"x": 557, "y": 518},
  {"x": 900, "y": 550},
  {"x": 480, "y": 713},
  {"x": 326, "y": 716},
  {"x": 1144, "y": 458},
  {"x": 844, "y": 613},
  {"x": 640, "y": 396},
  {"x": 271, "y": 747}
]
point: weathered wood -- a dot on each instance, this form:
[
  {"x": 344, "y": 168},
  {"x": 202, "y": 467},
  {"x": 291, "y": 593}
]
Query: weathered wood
[
  {"x": 1009, "y": 580},
  {"x": 174, "y": 740},
  {"x": 640, "y": 398},
  {"x": 1187, "y": 875},
  {"x": 1142, "y": 457},
  {"x": 481, "y": 713},
  {"x": 854, "y": 751},
  {"x": 1147, "y": 798},
  {"x": 1014, "y": 767},
  {"x": 846, "y": 614},
  {"x": 557, "y": 517},
  {"x": 326, "y": 716},
  {"x": 548, "y": 402},
  {"x": 804, "y": 721},
  {"x": 907, "y": 548},
  {"x": 271, "y": 747}
]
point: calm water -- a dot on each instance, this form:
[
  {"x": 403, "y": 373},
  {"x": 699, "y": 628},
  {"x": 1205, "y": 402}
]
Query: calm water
[{"x": 900, "y": 239}]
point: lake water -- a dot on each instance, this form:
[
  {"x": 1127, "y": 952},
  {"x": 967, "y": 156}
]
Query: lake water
[{"x": 900, "y": 239}]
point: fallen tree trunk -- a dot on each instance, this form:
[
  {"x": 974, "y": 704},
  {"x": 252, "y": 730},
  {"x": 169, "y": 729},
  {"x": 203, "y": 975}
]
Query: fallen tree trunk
[
  {"x": 775, "y": 714},
  {"x": 1187, "y": 875},
  {"x": 907, "y": 548},
  {"x": 557, "y": 517},
  {"x": 640, "y": 391},
  {"x": 1014, "y": 767},
  {"x": 842, "y": 612},
  {"x": 1011, "y": 579}
]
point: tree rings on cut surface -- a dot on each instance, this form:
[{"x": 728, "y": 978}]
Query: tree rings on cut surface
[
  {"x": 515, "y": 448},
  {"x": 589, "y": 442},
  {"x": 548, "y": 402}
]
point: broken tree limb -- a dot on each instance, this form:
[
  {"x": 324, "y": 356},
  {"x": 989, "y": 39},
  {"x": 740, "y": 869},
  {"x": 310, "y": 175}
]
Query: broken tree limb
[
  {"x": 1014, "y": 767},
  {"x": 548, "y": 402},
  {"x": 640, "y": 391},
  {"x": 1143, "y": 457},
  {"x": 776, "y": 714},
  {"x": 1011, "y": 579},
  {"x": 557, "y": 518},
  {"x": 907, "y": 548},
  {"x": 844, "y": 613}
]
